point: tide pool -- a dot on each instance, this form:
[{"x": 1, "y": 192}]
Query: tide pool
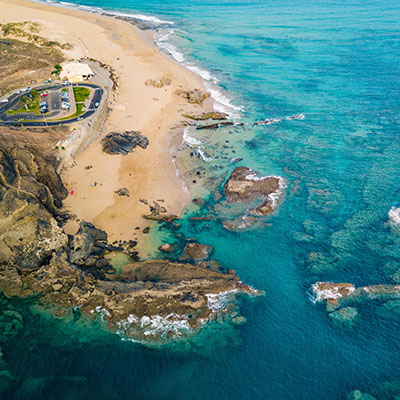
[{"x": 338, "y": 63}]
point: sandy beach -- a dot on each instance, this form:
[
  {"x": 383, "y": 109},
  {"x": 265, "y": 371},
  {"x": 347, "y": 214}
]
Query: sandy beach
[{"x": 147, "y": 173}]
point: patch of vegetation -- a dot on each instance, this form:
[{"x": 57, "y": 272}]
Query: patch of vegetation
[
  {"x": 57, "y": 70},
  {"x": 30, "y": 105},
  {"x": 81, "y": 94},
  {"x": 79, "y": 111}
]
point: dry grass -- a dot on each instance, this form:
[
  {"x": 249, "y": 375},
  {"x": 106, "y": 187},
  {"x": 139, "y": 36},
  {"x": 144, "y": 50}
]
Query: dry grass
[{"x": 26, "y": 56}]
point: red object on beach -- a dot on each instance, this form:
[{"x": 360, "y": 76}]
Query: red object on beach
[{"x": 72, "y": 192}]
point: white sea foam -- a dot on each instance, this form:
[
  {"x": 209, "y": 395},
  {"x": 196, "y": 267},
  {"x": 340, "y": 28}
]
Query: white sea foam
[
  {"x": 394, "y": 216},
  {"x": 333, "y": 292},
  {"x": 299, "y": 116},
  {"x": 102, "y": 311},
  {"x": 190, "y": 139},
  {"x": 206, "y": 75},
  {"x": 142, "y": 17},
  {"x": 203, "y": 155},
  {"x": 219, "y": 301},
  {"x": 155, "y": 325},
  {"x": 172, "y": 50},
  {"x": 222, "y": 103}
]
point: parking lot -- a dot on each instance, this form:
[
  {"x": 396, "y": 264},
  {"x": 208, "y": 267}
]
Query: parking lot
[{"x": 57, "y": 102}]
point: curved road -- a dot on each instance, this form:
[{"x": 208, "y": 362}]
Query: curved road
[{"x": 15, "y": 97}]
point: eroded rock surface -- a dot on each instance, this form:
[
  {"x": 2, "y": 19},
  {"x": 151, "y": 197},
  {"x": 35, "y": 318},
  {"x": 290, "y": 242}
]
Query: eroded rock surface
[
  {"x": 340, "y": 298},
  {"x": 158, "y": 83},
  {"x": 214, "y": 115},
  {"x": 123, "y": 143},
  {"x": 258, "y": 194},
  {"x": 197, "y": 251},
  {"x": 156, "y": 299},
  {"x": 195, "y": 96}
]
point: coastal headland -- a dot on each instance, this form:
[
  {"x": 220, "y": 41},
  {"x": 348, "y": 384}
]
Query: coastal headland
[{"x": 77, "y": 200}]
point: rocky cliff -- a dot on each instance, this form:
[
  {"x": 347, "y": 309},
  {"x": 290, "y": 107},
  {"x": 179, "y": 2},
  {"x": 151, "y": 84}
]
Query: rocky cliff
[{"x": 155, "y": 299}]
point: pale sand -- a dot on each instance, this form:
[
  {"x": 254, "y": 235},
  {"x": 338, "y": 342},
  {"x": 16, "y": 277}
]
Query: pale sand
[{"x": 148, "y": 174}]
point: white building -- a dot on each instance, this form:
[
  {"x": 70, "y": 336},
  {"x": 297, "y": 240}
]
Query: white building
[{"x": 76, "y": 71}]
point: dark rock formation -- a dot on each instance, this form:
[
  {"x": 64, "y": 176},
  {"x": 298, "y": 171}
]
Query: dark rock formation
[
  {"x": 122, "y": 192},
  {"x": 88, "y": 245},
  {"x": 123, "y": 143},
  {"x": 214, "y": 126}
]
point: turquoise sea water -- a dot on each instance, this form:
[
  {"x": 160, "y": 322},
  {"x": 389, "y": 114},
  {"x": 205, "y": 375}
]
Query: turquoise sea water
[{"x": 337, "y": 62}]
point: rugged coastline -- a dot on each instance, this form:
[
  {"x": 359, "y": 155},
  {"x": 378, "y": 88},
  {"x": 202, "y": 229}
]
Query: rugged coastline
[{"x": 61, "y": 234}]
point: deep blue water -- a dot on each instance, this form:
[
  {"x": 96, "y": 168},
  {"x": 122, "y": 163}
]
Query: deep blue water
[{"x": 338, "y": 62}]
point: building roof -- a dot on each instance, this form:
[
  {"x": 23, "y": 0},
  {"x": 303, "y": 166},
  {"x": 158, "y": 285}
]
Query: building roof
[{"x": 75, "y": 69}]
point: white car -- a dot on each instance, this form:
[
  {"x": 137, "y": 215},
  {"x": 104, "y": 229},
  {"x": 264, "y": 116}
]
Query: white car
[
  {"x": 65, "y": 105},
  {"x": 96, "y": 104}
]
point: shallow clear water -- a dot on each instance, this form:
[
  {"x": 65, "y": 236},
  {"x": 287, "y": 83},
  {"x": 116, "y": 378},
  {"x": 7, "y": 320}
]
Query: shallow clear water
[{"x": 338, "y": 63}]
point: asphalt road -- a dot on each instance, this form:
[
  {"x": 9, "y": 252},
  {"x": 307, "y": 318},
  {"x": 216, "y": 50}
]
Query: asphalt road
[{"x": 15, "y": 97}]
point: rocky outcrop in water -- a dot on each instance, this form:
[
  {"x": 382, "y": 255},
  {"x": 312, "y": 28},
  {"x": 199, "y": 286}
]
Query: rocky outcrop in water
[
  {"x": 214, "y": 126},
  {"x": 258, "y": 194},
  {"x": 214, "y": 115},
  {"x": 197, "y": 251},
  {"x": 341, "y": 299},
  {"x": 157, "y": 299},
  {"x": 123, "y": 143}
]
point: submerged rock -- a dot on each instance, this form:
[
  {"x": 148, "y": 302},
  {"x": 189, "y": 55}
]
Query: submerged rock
[
  {"x": 358, "y": 395},
  {"x": 123, "y": 143},
  {"x": 345, "y": 315},
  {"x": 239, "y": 320}
]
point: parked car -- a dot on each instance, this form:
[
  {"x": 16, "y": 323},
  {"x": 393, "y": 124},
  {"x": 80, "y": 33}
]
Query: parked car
[
  {"x": 44, "y": 94},
  {"x": 96, "y": 104},
  {"x": 43, "y": 103},
  {"x": 65, "y": 105}
]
